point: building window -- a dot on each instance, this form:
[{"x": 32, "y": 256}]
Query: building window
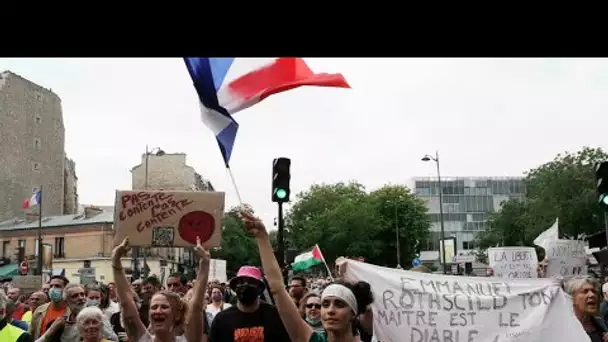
[
  {"x": 21, "y": 244},
  {"x": 37, "y": 143},
  {"x": 38, "y": 119},
  {"x": 5, "y": 248},
  {"x": 38, "y": 96},
  {"x": 36, "y": 166},
  {"x": 59, "y": 247},
  {"x": 468, "y": 245}
]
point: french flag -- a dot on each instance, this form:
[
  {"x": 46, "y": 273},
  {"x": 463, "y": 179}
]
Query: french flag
[
  {"x": 32, "y": 201},
  {"x": 221, "y": 96}
]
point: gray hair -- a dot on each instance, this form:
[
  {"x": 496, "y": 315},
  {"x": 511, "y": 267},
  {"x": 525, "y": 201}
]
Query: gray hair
[
  {"x": 91, "y": 312},
  {"x": 67, "y": 289},
  {"x": 574, "y": 284},
  {"x": 3, "y": 300}
]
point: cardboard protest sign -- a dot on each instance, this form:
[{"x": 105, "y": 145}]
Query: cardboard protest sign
[
  {"x": 513, "y": 262},
  {"x": 168, "y": 219},
  {"x": 27, "y": 283},
  {"x": 419, "y": 307},
  {"x": 566, "y": 258}
]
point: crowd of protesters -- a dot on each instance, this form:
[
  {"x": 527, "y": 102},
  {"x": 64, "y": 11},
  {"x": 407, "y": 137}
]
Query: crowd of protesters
[{"x": 251, "y": 307}]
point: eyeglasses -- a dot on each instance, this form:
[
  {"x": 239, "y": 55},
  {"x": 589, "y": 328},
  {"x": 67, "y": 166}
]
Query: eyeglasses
[{"x": 316, "y": 306}]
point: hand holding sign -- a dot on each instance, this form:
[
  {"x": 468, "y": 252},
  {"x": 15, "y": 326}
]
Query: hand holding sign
[
  {"x": 121, "y": 250},
  {"x": 202, "y": 253},
  {"x": 340, "y": 266}
]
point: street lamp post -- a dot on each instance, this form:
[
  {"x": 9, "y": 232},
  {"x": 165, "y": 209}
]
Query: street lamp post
[
  {"x": 427, "y": 158},
  {"x": 157, "y": 151}
]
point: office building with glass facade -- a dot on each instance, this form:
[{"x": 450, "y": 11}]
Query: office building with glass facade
[{"x": 467, "y": 205}]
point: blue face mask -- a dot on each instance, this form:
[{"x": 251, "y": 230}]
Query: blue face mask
[
  {"x": 92, "y": 302},
  {"x": 55, "y": 294},
  {"x": 313, "y": 320}
]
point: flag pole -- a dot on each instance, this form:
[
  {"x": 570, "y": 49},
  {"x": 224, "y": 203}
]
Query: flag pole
[
  {"x": 39, "y": 256},
  {"x": 325, "y": 263},
  {"x": 236, "y": 188}
]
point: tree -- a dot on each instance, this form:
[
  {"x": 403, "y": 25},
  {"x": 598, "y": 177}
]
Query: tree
[
  {"x": 563, "y": 188},
  {"x": 238, "y": 248},
  {"x": 398, "y": 207},
  {"x": 343, "y": 219},
  {"x": 508, "y": 227}
]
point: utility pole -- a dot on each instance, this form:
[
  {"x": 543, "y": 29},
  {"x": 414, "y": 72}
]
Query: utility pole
[
  {"x": 39, "y": 234},
  {"x": 281, "y": 237},
  {"x": 397, "y": 232},
  {"x": 280, "y": 194}
]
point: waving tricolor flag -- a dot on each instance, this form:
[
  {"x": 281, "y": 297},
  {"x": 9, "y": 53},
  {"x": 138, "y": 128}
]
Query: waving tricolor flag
[
  {"x": 221, "y": 96},
  {"x": 33, "y": 201}
]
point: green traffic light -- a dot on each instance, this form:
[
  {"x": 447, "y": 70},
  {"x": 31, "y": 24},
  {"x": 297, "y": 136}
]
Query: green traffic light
[
  {"x": 604, "y": 199},
  {"x": 281, "y": 193}
]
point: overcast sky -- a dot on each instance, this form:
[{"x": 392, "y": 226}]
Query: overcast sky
[{"x": 487, "y": 117}]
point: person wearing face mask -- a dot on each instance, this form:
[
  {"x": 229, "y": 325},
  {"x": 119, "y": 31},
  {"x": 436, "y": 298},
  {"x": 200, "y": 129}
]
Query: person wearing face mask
[
  {"x": 47, "y": 313},
  {"x": 310, "y": 308},
  {"x": 8, "y": 332},
  {"x": 98, "y": 295},
  {"x": 341, "y": 303},
  {"x": 217, "y": 302},
  {"x": 250, "y": 319},
  {"x": 64, "y": 327}
]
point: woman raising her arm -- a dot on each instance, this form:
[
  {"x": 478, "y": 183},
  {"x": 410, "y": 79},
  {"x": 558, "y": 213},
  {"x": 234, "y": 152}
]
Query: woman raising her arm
[
  {"x": 341, "y": 303},
  {"x": 168, "y": 313}
]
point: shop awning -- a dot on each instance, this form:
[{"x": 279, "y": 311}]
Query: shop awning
[{"x": 9, "y": 271}]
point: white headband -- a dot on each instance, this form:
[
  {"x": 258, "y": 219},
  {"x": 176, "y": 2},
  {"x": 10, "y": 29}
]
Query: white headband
[{"x": 342, "y": 292}]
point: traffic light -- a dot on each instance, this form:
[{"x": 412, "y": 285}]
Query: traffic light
[
  {"x": 601, "y": 178},
  {"x": 280, "y": 180}
]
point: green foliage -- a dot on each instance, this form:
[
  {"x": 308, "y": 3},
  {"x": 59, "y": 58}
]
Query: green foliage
[
  {"x": 509, "y": 227},
  {"x": 343, "y": 219},
  {"x": 563, "y": 188},
  {"x": 238, "y": 248}
]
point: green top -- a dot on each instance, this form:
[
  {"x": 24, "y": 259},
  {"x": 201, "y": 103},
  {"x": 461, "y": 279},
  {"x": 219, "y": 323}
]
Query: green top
[{"x": 318, "y": 337}]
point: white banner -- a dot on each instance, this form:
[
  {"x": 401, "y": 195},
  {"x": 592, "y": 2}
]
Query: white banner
[
  {"x": 217, "y": 270},
  {"x": 566, "y": 258},
  {"x": 513, "y": 262},
  {"x": 419, "y": 307}
]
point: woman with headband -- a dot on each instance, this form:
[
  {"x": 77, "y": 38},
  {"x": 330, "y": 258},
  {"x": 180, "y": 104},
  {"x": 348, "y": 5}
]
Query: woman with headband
[{"x": 341, "y": 303}]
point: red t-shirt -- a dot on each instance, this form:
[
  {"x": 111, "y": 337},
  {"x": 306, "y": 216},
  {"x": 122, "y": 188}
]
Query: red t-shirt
[{"x": 18, "y": 314}]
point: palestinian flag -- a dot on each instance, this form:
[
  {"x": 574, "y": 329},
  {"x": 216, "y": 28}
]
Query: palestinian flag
[{"x": 309, "y": 259}]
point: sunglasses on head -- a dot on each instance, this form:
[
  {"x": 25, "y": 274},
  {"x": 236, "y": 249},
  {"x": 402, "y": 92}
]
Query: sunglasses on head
[{"x": 316, "y": 306}]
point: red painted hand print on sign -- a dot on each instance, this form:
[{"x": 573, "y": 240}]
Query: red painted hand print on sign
[{"x": 196, "y": 223}]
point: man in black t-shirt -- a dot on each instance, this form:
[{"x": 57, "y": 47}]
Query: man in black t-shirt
[{"x": 250, "y": 319}]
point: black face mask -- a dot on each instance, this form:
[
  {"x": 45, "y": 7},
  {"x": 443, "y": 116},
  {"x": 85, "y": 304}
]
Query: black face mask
[{"x": 247, "y": 294}]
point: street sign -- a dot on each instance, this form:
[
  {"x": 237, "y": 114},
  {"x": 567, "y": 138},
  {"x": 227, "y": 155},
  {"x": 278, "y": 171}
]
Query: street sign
[
  {"x": 28, "y": 283},
  {"x": 87, "y": 275},
  {"x": 24, "y": 267},
  {"x": 464, "y": 258},
  {"x": 416, "y": 262}
]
